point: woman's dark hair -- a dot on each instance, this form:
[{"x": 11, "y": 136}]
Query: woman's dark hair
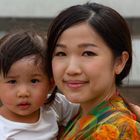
[
  {"x": 22, "y": 43},
  {"x": 109, "y": 24}
]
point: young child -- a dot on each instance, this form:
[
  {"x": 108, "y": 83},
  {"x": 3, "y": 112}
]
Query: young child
[{"x": 24, "y": 87}]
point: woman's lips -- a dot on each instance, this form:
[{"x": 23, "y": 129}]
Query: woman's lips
[{"x": 75, "y": 84}]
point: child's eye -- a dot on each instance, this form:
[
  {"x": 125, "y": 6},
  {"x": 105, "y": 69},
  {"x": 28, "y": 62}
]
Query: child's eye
[
  {"x": 34, "y": 81},
  {"x": 11, "y": 81},
  {"x": 60, "y": 54},
  {"x": 88, "y": 53}
]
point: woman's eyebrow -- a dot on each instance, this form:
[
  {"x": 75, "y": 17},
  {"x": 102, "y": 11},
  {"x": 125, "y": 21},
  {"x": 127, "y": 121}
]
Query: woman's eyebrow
[
  {"x": 83, "y": 45},
  {"x": 60, "y": 45}
]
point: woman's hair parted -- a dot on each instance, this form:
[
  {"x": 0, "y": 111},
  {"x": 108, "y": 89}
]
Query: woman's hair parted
[{"x": 108, "y": 23}]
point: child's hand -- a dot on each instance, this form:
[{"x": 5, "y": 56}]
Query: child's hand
[{"x": 135, "y": 109}]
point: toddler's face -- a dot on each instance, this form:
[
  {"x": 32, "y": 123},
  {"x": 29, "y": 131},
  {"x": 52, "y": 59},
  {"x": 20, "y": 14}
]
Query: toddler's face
[{"x": 23, "y": 90}]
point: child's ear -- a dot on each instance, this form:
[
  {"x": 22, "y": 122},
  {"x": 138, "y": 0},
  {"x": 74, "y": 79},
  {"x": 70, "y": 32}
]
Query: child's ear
[
  {"x": 52, "y": 81},
  {"x": 120, "y": 62}
]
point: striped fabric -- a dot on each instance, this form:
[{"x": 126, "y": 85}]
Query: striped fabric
[{"x": 110, "y": 120}]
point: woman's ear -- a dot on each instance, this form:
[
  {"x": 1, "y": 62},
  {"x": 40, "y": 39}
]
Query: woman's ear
[{"x": 120, "y": 62}]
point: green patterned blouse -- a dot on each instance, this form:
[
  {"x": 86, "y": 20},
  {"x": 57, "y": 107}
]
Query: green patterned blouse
[{"x": 109, "y": 120}]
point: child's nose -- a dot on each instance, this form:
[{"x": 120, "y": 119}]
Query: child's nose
[{"x": 23, "y": 92}]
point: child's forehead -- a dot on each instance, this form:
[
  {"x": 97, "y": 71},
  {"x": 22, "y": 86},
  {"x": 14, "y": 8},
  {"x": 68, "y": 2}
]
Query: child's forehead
[
  {"x": 27, "y": 67},
  {"x": 30, "y": 59},
  {"x": 31, "y": 62}
]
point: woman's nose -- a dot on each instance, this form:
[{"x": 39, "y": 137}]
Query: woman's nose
[{"x": 73, "y": 67}]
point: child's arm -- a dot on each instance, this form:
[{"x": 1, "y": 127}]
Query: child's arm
[{"x": 64, "y": 109}]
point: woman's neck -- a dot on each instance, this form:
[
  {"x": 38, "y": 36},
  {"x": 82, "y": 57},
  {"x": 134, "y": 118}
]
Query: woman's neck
[{"x": 104, "y": 96}]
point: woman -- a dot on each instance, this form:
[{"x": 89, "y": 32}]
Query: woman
[{"x": 89, "y": 54}]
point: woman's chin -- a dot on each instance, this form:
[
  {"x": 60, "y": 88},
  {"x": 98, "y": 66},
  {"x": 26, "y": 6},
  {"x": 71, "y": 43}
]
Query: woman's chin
[{"x": 73, "y": 99}]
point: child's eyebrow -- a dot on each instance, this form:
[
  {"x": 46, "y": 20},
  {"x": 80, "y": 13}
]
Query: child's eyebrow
[
  {"x": 16, "y": 76},
  {"x": 12, "y": 76},
  {"x": 36, "y": 74}
]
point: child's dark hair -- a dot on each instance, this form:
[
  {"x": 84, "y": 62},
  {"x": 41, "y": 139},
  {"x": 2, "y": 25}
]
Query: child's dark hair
[{"x": 22, "y": 43}]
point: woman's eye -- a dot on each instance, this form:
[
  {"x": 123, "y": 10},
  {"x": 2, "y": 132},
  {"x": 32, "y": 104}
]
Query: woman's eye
[
  {"x": 11, "y": 81},
  {"x": 88, "y": 53},
  {"x": 34, "y": 81},
  {"x": 60, "y": 54}
]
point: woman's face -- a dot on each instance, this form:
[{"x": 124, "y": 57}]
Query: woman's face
[{"x": 83, "y": 66}]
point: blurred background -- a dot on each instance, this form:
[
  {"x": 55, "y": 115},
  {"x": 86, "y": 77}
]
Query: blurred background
[{"x": 39, "y": 14}]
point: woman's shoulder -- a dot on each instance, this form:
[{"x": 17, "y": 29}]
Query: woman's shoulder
[{"x": 118, "y": 126}]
